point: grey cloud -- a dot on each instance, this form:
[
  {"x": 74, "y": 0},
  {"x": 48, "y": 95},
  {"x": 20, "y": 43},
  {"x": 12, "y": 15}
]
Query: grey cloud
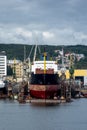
[{"x": 61, "y": 21}]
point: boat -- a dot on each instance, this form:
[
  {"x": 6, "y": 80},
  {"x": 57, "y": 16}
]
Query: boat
[
  {"x": 84, "y": 92},
  {"x": 3, "y": 88},
  {"x": 44, "y": 80}
]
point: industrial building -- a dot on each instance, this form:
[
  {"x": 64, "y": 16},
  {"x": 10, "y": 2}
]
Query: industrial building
[
  {"x": 17, "y": 68},
  {"x": 79, "y": 74},
  {"x": 3, "y": 64}
]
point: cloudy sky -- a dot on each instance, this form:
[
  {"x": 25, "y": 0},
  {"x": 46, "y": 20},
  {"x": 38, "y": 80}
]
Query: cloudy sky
[{"x": 54, "y": 22}]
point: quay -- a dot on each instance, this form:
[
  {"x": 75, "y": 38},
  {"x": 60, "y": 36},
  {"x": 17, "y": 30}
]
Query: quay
[{"x": 43, "y": 101}]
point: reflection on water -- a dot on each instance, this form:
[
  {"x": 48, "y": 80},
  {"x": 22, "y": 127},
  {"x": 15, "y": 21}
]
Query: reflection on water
[{"x": 67, "y": 116}]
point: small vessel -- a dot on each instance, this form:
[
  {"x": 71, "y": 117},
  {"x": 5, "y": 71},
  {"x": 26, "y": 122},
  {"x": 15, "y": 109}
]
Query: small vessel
[
  {"x": 84, "y": 92},
  {"x": 2, "y": 84},
  {"x": 3, "y": 88},
  {"x": 44, "y": 81}
]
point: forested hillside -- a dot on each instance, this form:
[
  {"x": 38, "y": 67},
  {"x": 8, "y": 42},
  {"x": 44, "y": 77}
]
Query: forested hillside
[{"x": 17, "y": 51}]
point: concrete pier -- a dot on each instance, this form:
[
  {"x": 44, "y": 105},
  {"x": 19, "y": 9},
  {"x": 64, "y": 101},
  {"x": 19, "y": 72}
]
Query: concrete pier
[{"x": 43, "y": 101}]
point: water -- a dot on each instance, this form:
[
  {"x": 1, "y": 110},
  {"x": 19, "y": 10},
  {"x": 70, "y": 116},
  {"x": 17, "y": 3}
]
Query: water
[{"x": 67, "y": 116}]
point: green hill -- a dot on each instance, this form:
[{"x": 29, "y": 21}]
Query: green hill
[{"x": 17, "y": 51}]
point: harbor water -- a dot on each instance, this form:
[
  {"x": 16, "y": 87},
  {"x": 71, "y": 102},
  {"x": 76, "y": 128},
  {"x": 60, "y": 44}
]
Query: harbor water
[{"x": 64, "y": 116}]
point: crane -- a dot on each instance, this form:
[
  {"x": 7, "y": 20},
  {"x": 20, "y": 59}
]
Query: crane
[{"x": 71, "y": 67}]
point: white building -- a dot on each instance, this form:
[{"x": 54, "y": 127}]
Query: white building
[
  {"x": 11, "y": 62},
  {"x": 3, "y": 64}
]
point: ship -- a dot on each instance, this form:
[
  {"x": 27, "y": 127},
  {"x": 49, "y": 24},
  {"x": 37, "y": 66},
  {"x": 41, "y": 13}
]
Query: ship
[{"x": 44, "y": 80}]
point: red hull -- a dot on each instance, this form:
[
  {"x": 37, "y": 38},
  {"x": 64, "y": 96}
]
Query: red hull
[
  {"x": 85, "y": 95},
  {"x": 43, "y": 91}
]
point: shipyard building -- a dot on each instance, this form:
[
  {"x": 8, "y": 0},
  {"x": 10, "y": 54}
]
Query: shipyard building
[
  {"x": 79, "y": 74},
  {"x": 3, "y": 64}
]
